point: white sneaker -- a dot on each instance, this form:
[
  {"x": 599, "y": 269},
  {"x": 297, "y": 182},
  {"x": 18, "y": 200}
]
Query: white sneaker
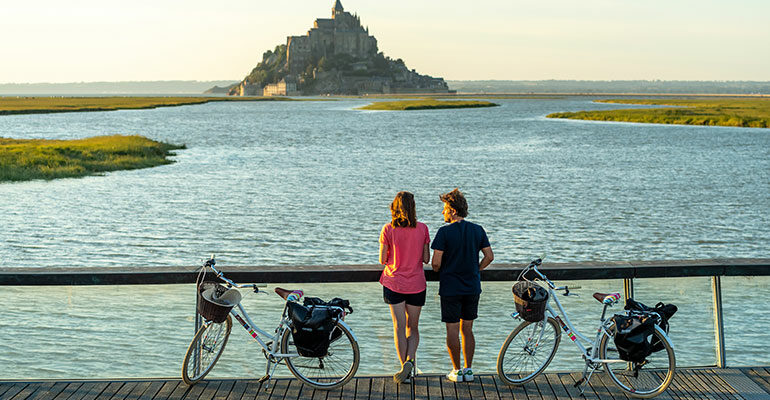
[
  {"x": 406, "y": 372},
  {"x": 467, "y": 375},
  {"x": 455, "y": 376}
]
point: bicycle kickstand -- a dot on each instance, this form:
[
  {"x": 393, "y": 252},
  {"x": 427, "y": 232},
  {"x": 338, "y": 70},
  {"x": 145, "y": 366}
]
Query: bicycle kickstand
[
  {"x": 583, "y": 382},
  {"x": 271, "y": 366}
]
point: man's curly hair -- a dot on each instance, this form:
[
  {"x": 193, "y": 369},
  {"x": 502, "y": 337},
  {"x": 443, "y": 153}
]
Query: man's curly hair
[{"x": 456, "y": 201}]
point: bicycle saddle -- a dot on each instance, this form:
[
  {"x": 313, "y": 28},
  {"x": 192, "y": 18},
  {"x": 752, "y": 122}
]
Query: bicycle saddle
[
  {"x": 285, "y": 293},
  {"x": 607, "y": 298}
]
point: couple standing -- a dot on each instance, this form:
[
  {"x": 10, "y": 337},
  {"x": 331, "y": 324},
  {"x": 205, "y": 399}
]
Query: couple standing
[{"x": 456, "y": 246}]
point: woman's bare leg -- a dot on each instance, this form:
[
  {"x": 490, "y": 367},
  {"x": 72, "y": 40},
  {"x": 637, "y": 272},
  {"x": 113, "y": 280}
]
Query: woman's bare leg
[{"x": 398, "y": 314}]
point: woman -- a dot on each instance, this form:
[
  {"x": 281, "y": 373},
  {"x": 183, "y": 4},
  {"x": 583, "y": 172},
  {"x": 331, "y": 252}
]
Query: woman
[{"x": 404, "y": 247}]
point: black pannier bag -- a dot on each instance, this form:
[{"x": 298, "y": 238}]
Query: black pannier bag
[
  {"x": 632, "y": 336},
  {"x": 665, "y": 311},
  {"x": 313, "y": 325}
]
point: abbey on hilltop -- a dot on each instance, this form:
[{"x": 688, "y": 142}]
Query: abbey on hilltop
[{"x": 336, "y": 56}]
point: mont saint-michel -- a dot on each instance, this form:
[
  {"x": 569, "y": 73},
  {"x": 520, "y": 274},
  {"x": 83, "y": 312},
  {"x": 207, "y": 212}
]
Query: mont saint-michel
[{"x": 336, "y": 56}]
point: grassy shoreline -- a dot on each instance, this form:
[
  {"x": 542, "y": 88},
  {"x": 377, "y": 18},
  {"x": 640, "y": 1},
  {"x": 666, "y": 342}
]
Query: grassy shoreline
[
  {"x": 748, "y": 113},
  {"x": 47, "y": 105},
  {"x": 28, "y": 159},
  {"x": 425, "y": 104}
]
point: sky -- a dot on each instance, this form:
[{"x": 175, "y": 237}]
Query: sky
[{"x": 110, "y": 40}]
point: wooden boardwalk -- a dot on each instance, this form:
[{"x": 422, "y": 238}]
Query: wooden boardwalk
[{"x": 701, "y": 383}]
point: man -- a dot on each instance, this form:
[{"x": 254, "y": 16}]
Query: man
[{"x": 456, "y": 250}]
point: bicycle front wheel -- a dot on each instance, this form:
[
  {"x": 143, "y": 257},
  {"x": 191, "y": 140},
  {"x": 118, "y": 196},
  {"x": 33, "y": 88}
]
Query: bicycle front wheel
[
  {"x": 331, "y": 371},
  {"x": 204, "y": 351},
  {"x": 643, "y": 380},
  {"x": 527, "y": 351}
]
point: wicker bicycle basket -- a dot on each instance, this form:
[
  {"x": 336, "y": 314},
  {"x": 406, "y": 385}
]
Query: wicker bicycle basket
[
  {"x": 530, "y": 299},
  {"x": 211, "y": 311}
]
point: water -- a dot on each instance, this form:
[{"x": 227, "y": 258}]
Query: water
[{"x": 308, "y": 183}]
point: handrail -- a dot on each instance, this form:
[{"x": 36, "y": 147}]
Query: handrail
[{"x": 371, "y": 273}]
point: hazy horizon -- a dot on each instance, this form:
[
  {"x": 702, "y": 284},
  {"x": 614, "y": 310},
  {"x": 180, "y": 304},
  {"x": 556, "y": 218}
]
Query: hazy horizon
[{"x": 93, "y": 41}]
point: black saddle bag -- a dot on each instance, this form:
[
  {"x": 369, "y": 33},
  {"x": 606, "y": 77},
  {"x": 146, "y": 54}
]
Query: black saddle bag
[
  {"x": 313, "y": 325},
  {"x": 664, "y": 311},
  {"x": 632, "y": 338}
]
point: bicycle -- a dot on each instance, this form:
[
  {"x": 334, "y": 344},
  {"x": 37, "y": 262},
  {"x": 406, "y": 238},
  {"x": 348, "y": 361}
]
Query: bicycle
[
  {"x": 531, "y": 346},
  {"x": 328, "y": 372}
]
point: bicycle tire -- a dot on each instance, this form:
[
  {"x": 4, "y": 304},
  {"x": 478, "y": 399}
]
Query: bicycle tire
[
  {"x": 333, "y": 370},
  {"x": 210, "y": 340},
  {"x": 651, "y": 379},
  {"x": 523, "y": 364}
]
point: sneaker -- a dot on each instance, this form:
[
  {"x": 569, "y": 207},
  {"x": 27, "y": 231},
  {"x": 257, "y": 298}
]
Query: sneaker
[
  {"x": 455, "y": 376},
  {"x": 467, "y": 375},
  {"x": 407, "y": 380},
  {"x": 406, "y": 371}
]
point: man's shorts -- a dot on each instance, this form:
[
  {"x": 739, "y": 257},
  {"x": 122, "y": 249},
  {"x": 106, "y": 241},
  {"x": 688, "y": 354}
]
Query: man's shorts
[
  {"x": 455, "y": 308},
  {"x": 413, "y": 299}
]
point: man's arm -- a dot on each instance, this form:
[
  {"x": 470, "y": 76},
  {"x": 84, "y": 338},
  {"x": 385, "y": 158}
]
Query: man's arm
[
  {"x": 488, "y": 257},
  {"x": 436, "y": 262}
]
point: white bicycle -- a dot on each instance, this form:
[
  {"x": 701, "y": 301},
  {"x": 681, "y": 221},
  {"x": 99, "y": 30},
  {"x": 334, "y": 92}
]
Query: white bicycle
[
  {"x": 332, "y": 370},
  {"x": 531, "y": 346}
]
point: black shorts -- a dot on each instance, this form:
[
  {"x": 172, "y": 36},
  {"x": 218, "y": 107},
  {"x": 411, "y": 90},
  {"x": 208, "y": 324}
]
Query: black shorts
[
  {"x": 455, "y": 308},
  {"x": 413, "y": 299}
]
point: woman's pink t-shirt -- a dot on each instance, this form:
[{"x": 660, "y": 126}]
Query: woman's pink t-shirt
[{"x": 403, "y": 271}]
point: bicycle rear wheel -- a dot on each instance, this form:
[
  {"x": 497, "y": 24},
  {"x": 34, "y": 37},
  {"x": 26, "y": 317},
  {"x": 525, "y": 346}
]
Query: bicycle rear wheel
[
  {"x": 527, "y": 351},
  {"x": 333, "y": 370},
  {"x": 643, "y": 380},
  {"x": 204, "y": 350}
]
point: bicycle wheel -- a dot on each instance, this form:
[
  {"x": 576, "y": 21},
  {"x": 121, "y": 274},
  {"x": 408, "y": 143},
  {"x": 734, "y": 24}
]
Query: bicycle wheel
[
  {"x": 527, "y": 351},
  {"x": 204, "y": 351},
  {"x": 643, "y": 380},
  {"x": 328, "y": 372}
]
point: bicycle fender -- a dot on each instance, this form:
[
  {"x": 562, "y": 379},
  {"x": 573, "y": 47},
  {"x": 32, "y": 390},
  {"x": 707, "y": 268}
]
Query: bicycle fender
[{"x": 341, "y": 322}]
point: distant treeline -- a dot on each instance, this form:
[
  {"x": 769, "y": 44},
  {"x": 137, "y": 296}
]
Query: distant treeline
[
  {"x": 656, "y": 86},
  {"x": 111, "y": 88}
]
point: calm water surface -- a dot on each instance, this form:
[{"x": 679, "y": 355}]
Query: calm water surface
[{"x": 310, "y": 183}]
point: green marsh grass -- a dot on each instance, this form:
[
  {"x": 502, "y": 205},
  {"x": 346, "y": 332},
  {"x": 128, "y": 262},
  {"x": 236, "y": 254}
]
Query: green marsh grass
[
  {"x": 43, "y": 105},
  {"x": 749, "y": 113},
  {"x": 27, "y": 159},
  {"x": 426, "y": 104}
]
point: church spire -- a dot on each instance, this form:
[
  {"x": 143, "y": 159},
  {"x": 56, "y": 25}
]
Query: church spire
[{"x": 337, "y": 8}]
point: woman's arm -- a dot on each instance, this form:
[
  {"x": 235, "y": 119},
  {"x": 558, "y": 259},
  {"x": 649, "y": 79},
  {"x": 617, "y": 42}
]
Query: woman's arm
[
  {"x": 425, "y": 254},
  {"x": 383, "y": 254}
]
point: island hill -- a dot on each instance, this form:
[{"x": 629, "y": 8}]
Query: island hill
[{"x": 336, "y": 56}]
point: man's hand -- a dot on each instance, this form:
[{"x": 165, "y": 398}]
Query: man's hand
[
  {"x": 436, "y": 262},
  {"x": 488, "y": 257}
]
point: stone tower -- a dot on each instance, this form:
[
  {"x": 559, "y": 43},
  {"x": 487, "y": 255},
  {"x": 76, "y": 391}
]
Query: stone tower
[{"x": 337, "y": 9}]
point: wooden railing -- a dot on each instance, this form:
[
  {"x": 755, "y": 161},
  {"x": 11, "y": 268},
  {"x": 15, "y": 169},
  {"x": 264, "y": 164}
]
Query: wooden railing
[{"x": 626, "y": 270}]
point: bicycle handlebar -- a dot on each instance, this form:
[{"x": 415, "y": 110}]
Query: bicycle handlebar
[{"x": 211, "y": 262}]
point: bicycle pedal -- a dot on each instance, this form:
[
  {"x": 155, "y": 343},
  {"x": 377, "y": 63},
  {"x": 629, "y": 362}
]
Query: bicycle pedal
[
  {"x": 579, "y": 382},
  {"x": 264, "y": 378}
]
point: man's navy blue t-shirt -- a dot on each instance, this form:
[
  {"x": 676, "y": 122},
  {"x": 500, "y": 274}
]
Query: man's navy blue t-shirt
[{"x": 461, "y": 242}]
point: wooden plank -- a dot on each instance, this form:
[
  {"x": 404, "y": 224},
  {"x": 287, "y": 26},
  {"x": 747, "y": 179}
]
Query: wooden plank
[
  {"x": 266, "y": 390},
  {"x": 434, "y": 387},
  {"x": 488, "y": 387},
  {"x": 124, "y": 390},
  {"x": 238, "y": 390},
  {"x": 68, "y": 391},
  {"x": 390, "y": 388},
  {"x": 448, "y": 389},
  {"x": 180, "y": 391},
  {"x": 711, "y": 385},
  {"x": 558, "y": 388},
  {"x": 745, "y": 387},
  {"x": 224, "y": 390},
  {"x": 363, "y": 388},
  {"x": 25, "y": 391},
  {"x": 760, "y": 376},
  {"x": 574, "y": 377},
  {"x": 334, "y": 394},
  {"x": 139, "y": 389},
  {"x": 14, "y": 390},
  {"x": 297, "y": 390},
  {"x": 716, "y": 384},
  {"x": 95, "y": 390},
  {"x": 280, "y": 388},
  {"x": 51, "y": 392},
  {"x": 252, "y": 389},
  {"x": 708, "y": 391},
  {"x": 349, "y": 390},
  {"x": 165, "y": 390},
  {"x": 4, "y": 387},
  {"x": 421, "y": 388},
  {"x": 474, "y": 389},
  {"x": 39, "y": 389},
  {"x": 546, "y": 392},
  {"x": 378, "y": 389},
  {"x": 503, "y": 390},
  {"x": 676, "y": 389},
  {"x": 691, "y": 385}
]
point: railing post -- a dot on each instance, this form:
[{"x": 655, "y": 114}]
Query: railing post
[
  {"x": 719, "y": 328},
  {"x": 628, "y": 288}
]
